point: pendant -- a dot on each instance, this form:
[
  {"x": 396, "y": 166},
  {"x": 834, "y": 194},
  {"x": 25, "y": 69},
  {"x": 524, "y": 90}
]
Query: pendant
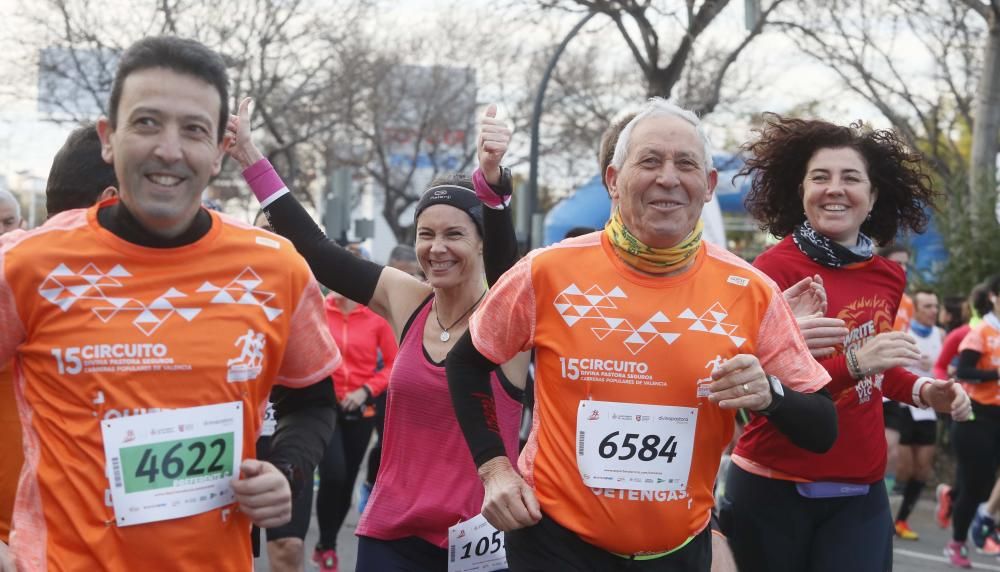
[{"x": 445, "y": 336}]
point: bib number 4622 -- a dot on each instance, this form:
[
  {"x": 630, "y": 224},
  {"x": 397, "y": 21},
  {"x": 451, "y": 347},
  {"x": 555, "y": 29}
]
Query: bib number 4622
[
  {"x": 161, "y": 465},
  {"x": 646, "y": 449}
]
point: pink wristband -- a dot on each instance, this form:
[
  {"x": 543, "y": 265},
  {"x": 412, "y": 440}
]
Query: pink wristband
[
  {"x": 264, "y": 181},
  {"x": 486, "y": 194}
]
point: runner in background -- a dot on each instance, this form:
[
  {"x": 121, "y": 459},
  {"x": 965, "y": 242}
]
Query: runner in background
[
  {"x": 78, "y": 178},
  {"x": 977, "y": 441},
  {"x": 363, "y": 338},
  {"x": 895, "y": 414},
  {"x": 918, "y": 437},
  {"x": 978, "y": 305}
]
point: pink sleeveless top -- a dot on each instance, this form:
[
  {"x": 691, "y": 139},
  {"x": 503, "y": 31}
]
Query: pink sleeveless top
[{"x": 427, "y": 480}]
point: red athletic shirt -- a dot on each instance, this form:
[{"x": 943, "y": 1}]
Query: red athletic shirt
[
  {"x": 360, "y": 334},
  {"x": 865, "y": 296},
  {"x": 949, "y": 351}
]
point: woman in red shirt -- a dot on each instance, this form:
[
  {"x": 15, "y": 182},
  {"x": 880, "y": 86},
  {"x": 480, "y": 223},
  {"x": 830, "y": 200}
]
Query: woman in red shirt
[{"x": 832, "y": 193}]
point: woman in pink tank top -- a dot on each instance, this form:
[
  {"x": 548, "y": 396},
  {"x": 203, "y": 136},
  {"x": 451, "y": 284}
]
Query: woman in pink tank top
[{"x": 427, "y": 480}]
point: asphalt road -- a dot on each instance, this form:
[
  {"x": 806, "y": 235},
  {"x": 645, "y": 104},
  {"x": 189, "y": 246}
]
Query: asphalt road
[{"x": 924, "y": 555}]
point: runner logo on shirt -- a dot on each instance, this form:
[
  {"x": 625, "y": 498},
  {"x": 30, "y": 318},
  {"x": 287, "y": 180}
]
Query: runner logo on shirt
[{"x": 248, "y": 364}]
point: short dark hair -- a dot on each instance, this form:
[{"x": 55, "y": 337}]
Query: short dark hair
[
  {"x": 79, "y": 173},
  {"x": 954, "y": 306},
  {"x": 778, "y": 159},
  {"x": 608, "y": 141},
  {"x": 177, "y": 54},
  {"x": 980, "y": 297}
]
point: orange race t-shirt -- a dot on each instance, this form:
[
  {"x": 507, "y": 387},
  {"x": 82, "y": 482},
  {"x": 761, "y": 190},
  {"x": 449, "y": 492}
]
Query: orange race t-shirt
[
  {"x": 604, "y": 330},
  {"x": 985, "y": 339},
  {"x": 904, "y": 314},
  {"x": 100, "y": 329},
  {"x": 10, "y": 449}
]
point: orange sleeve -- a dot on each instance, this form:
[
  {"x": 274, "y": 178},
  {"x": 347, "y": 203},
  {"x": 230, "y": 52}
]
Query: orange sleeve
[
  {"x": 12, "y": 332},
  {"x": 782, "y": 350},
  {"x": 310, "y": 354},
  {"x": 504, "y": 324},
  {"x": 974, "y": 341}
]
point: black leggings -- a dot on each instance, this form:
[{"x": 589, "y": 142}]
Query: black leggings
[
  {"x": 549, "y": 546},
  {"x": 375, "y": 455},
  {"x": 337, "y": 472},
  {"x": 410, "y": 554},
  {"x": 772, "y": 528},
  {"x": 977, "y": 452}
]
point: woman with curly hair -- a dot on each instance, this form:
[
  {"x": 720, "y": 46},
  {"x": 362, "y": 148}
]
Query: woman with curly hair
[{"x": 832, "y": 193}]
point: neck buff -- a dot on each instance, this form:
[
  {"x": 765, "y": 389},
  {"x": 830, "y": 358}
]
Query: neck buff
[
  {"x": 646, "y": 258},
  {"x": 821, "y": 250},
  {"x": 920, "y": 330}
]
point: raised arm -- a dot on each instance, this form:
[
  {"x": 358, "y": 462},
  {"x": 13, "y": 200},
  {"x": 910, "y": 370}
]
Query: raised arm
[
  {"x": 336, "y": 268},
  {"x": 494, "y": 188}
]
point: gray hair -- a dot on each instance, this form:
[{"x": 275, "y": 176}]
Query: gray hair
[
  {"x": 7, "y": 196},
  {"x": 657, "y": 106}
]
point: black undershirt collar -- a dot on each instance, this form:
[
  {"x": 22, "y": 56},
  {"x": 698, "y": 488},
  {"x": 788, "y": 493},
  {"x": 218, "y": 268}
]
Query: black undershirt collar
[{"x": 120, "y": 222}]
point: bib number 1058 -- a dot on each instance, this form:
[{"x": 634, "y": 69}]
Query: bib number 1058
[{"x": 644, "y": 447}]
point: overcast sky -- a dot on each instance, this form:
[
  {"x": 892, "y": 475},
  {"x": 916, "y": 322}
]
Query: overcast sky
[{"x": 28, "y": 144}]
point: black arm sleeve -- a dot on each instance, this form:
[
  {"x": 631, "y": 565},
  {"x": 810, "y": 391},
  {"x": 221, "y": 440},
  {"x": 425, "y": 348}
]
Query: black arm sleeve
[
  {"x": 472, "y": 396},
  {"x": 967, "y": 370},
  {"x": 333, "y": 266},
  {"x": 306, "y": 419},
  {"x": 500, "y": 250},
  {"x": 809, "y": 420}
]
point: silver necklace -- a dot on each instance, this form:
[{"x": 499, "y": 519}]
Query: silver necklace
[{"x": 445, "y": 336}]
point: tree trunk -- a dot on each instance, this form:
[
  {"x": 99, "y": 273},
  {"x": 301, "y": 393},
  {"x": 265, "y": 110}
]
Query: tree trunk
[{"x": 986, "y": 130}]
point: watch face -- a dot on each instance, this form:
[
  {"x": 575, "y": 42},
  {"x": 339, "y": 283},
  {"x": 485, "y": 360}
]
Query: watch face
[{"x": 776, "y": 385}]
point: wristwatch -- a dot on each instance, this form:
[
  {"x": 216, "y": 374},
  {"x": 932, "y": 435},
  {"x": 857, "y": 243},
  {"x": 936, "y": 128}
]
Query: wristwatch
[
  {"x": 505, "y": 186},
  {"x": 777, "y": 395},
  {"x": 293, "y": 474}
]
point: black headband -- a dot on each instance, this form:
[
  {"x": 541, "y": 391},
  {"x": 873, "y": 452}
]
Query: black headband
[{"x": 456, "y": 196}]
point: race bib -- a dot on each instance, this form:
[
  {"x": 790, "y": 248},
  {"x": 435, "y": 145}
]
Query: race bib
[
  {"x": 270, "y": 421},
  {"x": 476, "y": 545},
  {"x": 172, "y": 464},
  {"x": 919, "y": 414},
  {"x": 635, "y": 447}
]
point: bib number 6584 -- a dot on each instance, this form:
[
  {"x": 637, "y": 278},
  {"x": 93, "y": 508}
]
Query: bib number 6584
[{"x": 645, "y": 447}]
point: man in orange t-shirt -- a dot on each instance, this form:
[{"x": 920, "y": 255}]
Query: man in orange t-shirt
[
  {"x": 647, "y": 340},
  {"x": 147, "y": 334},
  {"x": 78, "y": 178},
  {"x": 10, "y": 446}
]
